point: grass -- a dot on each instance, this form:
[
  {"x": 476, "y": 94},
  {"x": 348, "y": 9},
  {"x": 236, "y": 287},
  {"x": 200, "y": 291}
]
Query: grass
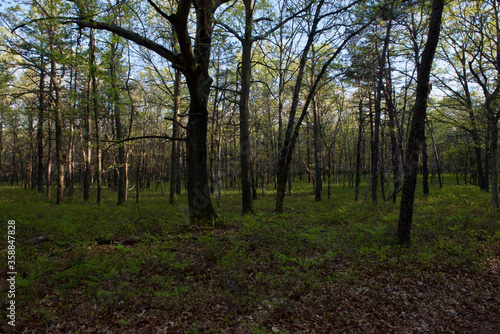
[{"x": 319, "y": 264}]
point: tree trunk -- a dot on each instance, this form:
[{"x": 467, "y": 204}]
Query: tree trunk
[
  {"x": 318, "y": 184},
  {"x": 416, "y": 133},
  {"x": 391, "y": 111},
  {"x": 95, "y": 106},
  {"x": 49, "y": 158},
  {"x": 200, "y": 204},
  {"x": 436, "y": 156},
  {"x": 425, "y": 166},
  {"x": 378, "y": 109},
  {"x": 1, "y": 153},
  {"x": 39, "y": 132},
  {"x": 358, "y": 150},
  {"x": 87, "y": 177},
  {"x": 70, "y": 183},
  {"x": 494, "y": 159},
  {"x": 122, "y": 161},
  {"x": 246, "y": 67},
  {"x": 174, "y": 162}
]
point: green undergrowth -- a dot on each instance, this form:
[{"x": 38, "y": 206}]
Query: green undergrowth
[{"x": 242, "y": 264}]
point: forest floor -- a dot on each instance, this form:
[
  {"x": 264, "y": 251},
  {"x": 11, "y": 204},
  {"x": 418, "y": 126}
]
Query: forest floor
[{"x": 321, "y": 267}]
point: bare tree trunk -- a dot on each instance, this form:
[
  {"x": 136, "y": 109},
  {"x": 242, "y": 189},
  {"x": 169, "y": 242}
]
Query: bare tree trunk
[
  {"x": 425, "y": 166},
  {"x": 39, "y": 132},
  {"x": 70, "y": 181},
  {"x": 174, "y": 162},
  {"x": 417, "y": 131},
  {"x": 87, "y": 177},
  {"x": 378, "y": 100},
  {"x": 246, "y": 66},
  {"x": 57, "y": 116},
  {"x": 494, "y": 159},
  {"x": 391, "y": 111},
  {"x": 49, "y": 158},
  {"x": 122, "y": 161},
  {"x": 1, "y": 153},
  {"x": 436, "y": 156},
  {"x": 95, "y": 107},
  {"x": 358, "y": 150},
  {"x": 318, "y": 184}
]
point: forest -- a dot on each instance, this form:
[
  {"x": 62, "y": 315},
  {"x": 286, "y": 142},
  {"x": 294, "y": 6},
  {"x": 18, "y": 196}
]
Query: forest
[{"x": 242, "y": 166}]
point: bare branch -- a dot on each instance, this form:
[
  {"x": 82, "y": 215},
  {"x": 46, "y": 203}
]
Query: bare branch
[{"x": 174, "y": 58}]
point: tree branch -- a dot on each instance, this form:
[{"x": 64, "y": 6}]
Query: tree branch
[
  {"x": 169, "y": 55},
  {"x": 169, "y": 18}
]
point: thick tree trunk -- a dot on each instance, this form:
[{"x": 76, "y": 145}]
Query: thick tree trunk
[
  {"x": 246, "y": 67},
  {"x": 200, "y": 204},
  {"x": 196, "y": 61},
  {"x": 417, "y": 131}
]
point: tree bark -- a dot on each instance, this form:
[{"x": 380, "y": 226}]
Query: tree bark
[
  {"x": 39, "y": 132},
  {"x": 122, "y": 161},
  {"x": 318, "y": 182},
  {"x": 174, "y": 160},
  {"x": 493, "y": 120},
  {"x": 70, "y": 180},
  {"x": 378, "y": 110},
  {"x": 436, "y": 157},
  {"x": 425, "y": 166},
  {"x": 87, "y": 177},
  {"x": 48, "y": 170},
  {"x": 391, "y": 111},
  {"x": 198, "y": 81},
  {"x": 416, "y": 132},
  {"x": 95, "y": 106},
  {"x": 246, "y": 67},
  {"x": 1, "y": 153},
  {"x": 358, "y": 150}
]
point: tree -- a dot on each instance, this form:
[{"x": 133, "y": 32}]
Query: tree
[
  {"x": 293, "y": 127},
  {"x": 247, "y": 39},
  {"x": 193, "y": 61},
  {"x": 378, "y": 101},
  {"x": 417, "y": 125},
  {"x": 485, "y": 64}
]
